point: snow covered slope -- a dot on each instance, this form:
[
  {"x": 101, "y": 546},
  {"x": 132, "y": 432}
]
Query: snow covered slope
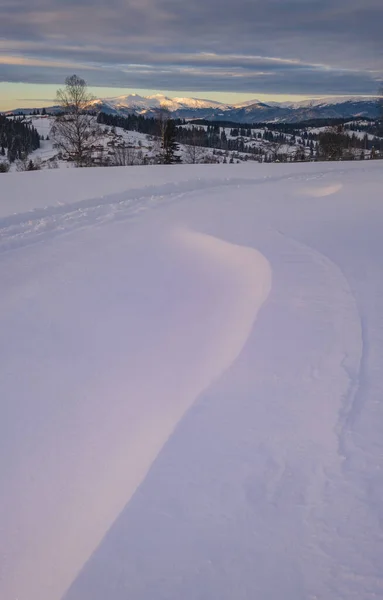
[
  {"x": 251, "y": 111},
  {"x": 245, "y": 112},
  {"x": 160, "y": 101},
  {"x": 150, "y": 105},
  {"x": 292, "y": 111},
  {"x": 190, "y": 383},
  {"x": 326, "y": 101}
]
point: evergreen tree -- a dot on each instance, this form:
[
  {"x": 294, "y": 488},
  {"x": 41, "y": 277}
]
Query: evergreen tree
[
  {"x": 18, "y": 137},
  {"x": 169, "y": 144},
  {"x": 332, "y": 143}
]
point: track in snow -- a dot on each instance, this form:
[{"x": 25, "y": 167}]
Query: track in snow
[{"x": 271, "y": 485}]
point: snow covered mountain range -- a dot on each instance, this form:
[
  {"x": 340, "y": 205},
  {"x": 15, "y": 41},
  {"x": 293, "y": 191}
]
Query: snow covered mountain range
[
  {"x": 250, "y": 111},
  {"x": 247, "y": 112}
]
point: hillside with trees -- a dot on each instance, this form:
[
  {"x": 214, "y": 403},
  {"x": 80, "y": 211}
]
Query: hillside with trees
[{"x": 18, "y": 138}]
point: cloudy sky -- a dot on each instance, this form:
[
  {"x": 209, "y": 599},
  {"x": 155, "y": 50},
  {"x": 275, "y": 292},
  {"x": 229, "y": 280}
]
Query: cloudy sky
[{"x": 222, "y": 49}]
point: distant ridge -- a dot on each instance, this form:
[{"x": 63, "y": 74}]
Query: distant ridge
[{"x": 250, "y": 111}]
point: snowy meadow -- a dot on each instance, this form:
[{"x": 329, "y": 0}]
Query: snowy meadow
[{"x": 190, "y": 382}]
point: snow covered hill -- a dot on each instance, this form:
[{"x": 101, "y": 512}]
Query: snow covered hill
[
  {"x": 242, "y": 144},
  {"x": 190, "y": 383},
  {"x": 157, "y": 101},
  {"x": 287, "y": 112},
  {"x": 246, "y": 112},
  {"x": 251, "y": 111}
]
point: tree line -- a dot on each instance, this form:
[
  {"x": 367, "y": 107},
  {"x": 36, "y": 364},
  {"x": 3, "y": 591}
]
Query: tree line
[
  {"x": 146, "y": 125},
  {"x": 17, "y": 138}
]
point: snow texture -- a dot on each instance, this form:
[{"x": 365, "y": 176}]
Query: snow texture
[{"x": 190, "y": 383}]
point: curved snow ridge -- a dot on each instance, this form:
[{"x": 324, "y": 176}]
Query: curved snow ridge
[
  {"x": 252, "y": 282},
  {"x": 136, "y": 343},
  {"x": 301, "y": 359}
]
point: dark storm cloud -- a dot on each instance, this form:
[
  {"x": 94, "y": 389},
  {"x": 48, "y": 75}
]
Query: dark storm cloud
[{"x": 288, "y": 46}]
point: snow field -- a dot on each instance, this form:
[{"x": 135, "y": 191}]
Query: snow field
[{"x": 190, "y": 383}]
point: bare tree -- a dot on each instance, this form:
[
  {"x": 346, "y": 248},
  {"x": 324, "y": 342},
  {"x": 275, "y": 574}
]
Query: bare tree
[
  {"x": 125, "y": 155},
  {"x": 277, "y": 155},
  {"x": 193, "y": 153},
  {"x": 75, "y": 129},
  {"x": 27, "y": 164},
  {"x": 163, "y": 117},
  {"x": 52, "y": 163}
]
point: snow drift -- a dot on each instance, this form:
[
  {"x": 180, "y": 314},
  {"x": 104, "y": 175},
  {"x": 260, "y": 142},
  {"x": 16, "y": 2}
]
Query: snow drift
[{"x": 190, "y": 385}]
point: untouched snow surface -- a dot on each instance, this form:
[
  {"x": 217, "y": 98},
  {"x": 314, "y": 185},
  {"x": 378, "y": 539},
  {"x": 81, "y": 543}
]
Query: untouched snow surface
[{"x": 190, "y": 383}]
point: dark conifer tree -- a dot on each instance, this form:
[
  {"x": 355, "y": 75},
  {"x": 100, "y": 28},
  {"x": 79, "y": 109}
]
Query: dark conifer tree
[
  {"x": 18, "y": 137},
  {"x": 169, "y": 144}
]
